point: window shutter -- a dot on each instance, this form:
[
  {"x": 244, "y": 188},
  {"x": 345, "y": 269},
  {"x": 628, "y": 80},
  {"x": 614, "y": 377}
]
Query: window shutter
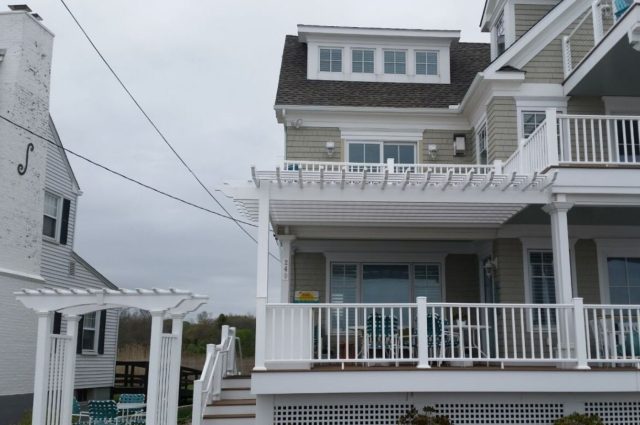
[
  {"x": 103, "y": 322},
  {"x": 57, "y": 321},
  {"x": 80, "y": 326},
  {"x": 64, "y": 226}
]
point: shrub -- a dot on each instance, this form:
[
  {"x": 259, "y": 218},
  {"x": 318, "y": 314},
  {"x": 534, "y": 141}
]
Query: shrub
[
  {"x": 579, "y": 419},
  {"x": 426, "y": 417}
]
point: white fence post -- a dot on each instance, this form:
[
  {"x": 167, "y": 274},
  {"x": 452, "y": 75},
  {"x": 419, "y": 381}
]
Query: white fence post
[
  {"x": 423, "y": 343},
  {"x": 580, "y": 336},
  {"x": 598, "y": 26},
  {"x": 224, "y": 335},
  {"x": 552, "y": 136},
  {"x": 69, "y": 369},
  {"x": 233, "y": 368},
  {"x": 41, "y": 380},
  {"x": 497, "y": 165},
  {"x": 391, "y": 165},
  {"x": 567, "y": 60},
  {"x": 155, "y": 346}
]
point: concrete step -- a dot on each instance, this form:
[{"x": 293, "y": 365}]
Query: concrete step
[
  {"x": 240, "y": 393},
  {"x": 230, "y": 407},
  {"x": 236, "y": 382},
  {"x": 238, "y": 419}
]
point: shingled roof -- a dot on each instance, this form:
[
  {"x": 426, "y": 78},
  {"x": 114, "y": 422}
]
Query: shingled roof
[{"x": 467, "y": 59}]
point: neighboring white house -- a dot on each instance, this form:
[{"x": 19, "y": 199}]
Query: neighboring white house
[
  {"x": 39, "y": 194},
  {"x": 459, "y": 222}
]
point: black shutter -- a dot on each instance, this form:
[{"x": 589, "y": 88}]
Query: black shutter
[
  {"x": 79, "y": 345},
  {"x": 64, "y": 226},
  {"x": 57, "y": 321},
  {"x": 103, "y": 322}
]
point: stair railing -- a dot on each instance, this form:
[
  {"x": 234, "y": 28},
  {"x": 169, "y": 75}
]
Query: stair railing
[{"x": 220, "y": 362}]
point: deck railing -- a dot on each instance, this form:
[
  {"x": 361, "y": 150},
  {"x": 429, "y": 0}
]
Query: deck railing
[
  {"x": 458, "y": 334},
  {"x": 220, "y": 362},
  {"x": 389, "y": 166},
  {"x": 532, "y": 154}
]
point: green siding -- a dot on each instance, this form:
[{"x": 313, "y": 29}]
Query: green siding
[
  {"x": 308, "y": 143},
  {"x": 309, "y": 271},
  {"x": 510, "y": 273},
  {"x": 502, "y": 131},
  {"x": 527, "y": 15},
  {"x": 444, "y": 140}
]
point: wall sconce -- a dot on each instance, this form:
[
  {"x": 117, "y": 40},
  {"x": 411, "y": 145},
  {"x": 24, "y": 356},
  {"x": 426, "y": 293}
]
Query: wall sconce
[
  {"x": 491, "y": 266},
  {"x": 297, "y": 123},
  {"x": 459, "y": 144},
  {"x": 433, "y": 152},
  {"x": 331, "y": 148}
]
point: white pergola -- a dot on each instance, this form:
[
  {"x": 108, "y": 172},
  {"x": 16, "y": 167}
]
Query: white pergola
[{"x": 56, "y": 354}]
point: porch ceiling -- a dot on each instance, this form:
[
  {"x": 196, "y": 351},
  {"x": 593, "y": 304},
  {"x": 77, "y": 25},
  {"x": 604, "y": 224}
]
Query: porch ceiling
[{"x": 611, "y": 68}]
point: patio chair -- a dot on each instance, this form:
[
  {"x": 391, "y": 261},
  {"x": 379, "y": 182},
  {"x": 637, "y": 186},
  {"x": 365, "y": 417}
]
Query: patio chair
[
  {"x": 131, "y": 398},
  {"x": 438, "y": 336},
  {"x": 382, "y": 335},
  {"x": 103, "y": 412},
  {"x": 78, "y": 416},
  {"x": 620, "y": 7},
  {"x": 132, "y": 416}
]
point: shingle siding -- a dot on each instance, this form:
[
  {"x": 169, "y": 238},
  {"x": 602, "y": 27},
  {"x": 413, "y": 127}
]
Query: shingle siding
[
  {"x": 310, "y": 272},
  {"x": 502, "y": 131},
  {"x": 589, "y": 105},
  {"x": 309, "y": 144},
  {"x": 510, "y": 272},
  {"x": 527, "y": 15},
  {"x": 443, "y": 139}
]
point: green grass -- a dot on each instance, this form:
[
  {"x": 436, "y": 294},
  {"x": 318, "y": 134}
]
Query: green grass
[{"x": 184, "y": 415}]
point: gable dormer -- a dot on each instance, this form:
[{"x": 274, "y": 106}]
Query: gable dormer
[
  {"x": 378, "y": 54},
  {"x": 508, "y": 20}
]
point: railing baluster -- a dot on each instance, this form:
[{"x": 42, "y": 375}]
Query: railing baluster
[
  {"x": 496, "y": 337},
  {"x": 624, "y": 140},
  {"x": 577, "y": 138},
  {"x": 593, "y": 142},
  {"x": 600, "y": 141},
  {"x": 622, "y": 334},
  {"x": 513, "y": 333},
  {"x": 505, "y": 350},
  {"x": 584, "y": 140}
]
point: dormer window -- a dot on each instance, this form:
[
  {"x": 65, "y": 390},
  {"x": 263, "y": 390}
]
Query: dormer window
[
  {"x": 362, "y": 61},
  {"x": 501, "y": 43},
  {"x": 427, "y": 63},
  {"x": 395, "y": 62},
  {"x": 330, "y": 60}
]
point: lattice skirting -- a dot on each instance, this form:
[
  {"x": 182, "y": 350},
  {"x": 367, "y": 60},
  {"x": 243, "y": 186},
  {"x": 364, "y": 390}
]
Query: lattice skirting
[{"x": 503, "y": 409}]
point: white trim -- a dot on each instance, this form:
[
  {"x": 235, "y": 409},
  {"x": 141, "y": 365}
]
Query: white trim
[
  {"x": 58, "y": 219},
  {"x": 536, "y": 104},
  {"x": 381, "y": 143},
  {"x": 96, "y": 334},
  {"x": 305, "y": 31},
  {"x": 21, "y": 275},
  {"x": 628, "y": 248},
  {"x": 531, "y": 244}
]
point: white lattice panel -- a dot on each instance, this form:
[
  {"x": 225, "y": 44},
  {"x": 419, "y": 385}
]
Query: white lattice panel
[
  {"x": 615, "y": 412},
  {"x": 340, "y": 414},
  {"x": 501, "y": 413}
]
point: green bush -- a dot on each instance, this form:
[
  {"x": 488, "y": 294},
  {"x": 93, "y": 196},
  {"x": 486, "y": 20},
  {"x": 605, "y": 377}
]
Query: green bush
[
  {"x": 579, "y": 419},
  {"x": 428, "y": 416}
]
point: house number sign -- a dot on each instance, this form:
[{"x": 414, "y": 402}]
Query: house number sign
[{"x": 22, "y": 169}]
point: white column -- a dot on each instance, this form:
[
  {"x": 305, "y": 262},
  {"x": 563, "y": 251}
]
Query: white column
[
  {"x": 580, "y": 335},
  {"x": 41, "y": 379},
  {"x": 286, "y": 267},
  {"x": 69, "y": 369},
  {"x": 174, "y": 377},
  {"x": 154, "y": 366},
  {"x": 598, "y": 26},
  {"x": 561, "y": 253},
  {"x": 262, "y": 289},
  {"x": 423, "y": 343},
  {"x": 551, "y": 119}
]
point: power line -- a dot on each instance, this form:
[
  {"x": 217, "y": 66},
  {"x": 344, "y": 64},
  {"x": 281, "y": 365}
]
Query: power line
[
  {"x": 117, "y": 173},
  {"x": 153, "y": 124}
]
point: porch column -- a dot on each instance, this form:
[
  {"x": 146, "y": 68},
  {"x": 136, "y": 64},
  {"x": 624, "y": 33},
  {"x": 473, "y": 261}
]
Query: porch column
[
  {"x": 286, "y": 266},
  {"x": 598, "y": 26},
  {"x": 174, "y": 377},
  {"x": 69, "y": 369},
  {"x": 153, "y": 384},
  {"x": 262, "y": 289},
  {"x": 41, "y": 379},
  {"x": 561, "y": 254}
]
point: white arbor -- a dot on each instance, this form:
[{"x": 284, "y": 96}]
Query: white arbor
[{"x": 56, "y": 354}]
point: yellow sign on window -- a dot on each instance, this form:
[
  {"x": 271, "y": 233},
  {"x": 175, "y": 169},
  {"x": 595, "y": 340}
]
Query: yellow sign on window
[{"x": 306, "y": 297}]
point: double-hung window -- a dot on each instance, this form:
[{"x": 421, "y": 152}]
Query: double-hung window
[
  {"x": 482, "y": 144},
  {"x": 543, "y": 284},
  {"x": 395, "y": 62},
  {"x": 501, "y": 44},
  {"x": 52, "y": 215},
  {"x": 380, "y": 152},
  {"x": 362, "y": 61},
  {"x": 531, "y": 120},
  {"x": 427, "y": 63},
  {"x": 330, "y": 60},
  {"x": 624, "y": 280},
  {"x": 90, "y": 328}
]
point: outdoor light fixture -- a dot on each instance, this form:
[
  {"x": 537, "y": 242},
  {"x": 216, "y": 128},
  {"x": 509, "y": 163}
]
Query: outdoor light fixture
[
  {"x": 459, "y": 144},
  {"x": 330, "y": 147},
  {"x": 433, "y": 151},
  {"x": 297, "y": 123}
]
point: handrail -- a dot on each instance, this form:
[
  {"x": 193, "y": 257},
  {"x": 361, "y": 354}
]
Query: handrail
[
  {"x": 216, "y": 367},
  {"x": 391, "y": 167}
]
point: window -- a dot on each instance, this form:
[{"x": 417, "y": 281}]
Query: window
[
  {"x": 395, "y": 62},
  {"x": 543, "y": 284},
  {"x": 362, "y": 61},
  {"x": 482, "y": 144},
  {"x": 427, "y": 282},
  {"x": 90, "y": 332},
  {"x": 52, "y": 211},
  {"x": 379, "y": 152},
  {"x": 501, "y": 45},
  {"x": 530, "y": 121},
  {"x": 427, "y": 63},
  {"x": 331, "y": 60},
  {"x": 624, "y": 280}
]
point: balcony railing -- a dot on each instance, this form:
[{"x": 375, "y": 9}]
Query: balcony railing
[
  {"x": 428, "y": 334},
  {"x": 390, "y": 166}
]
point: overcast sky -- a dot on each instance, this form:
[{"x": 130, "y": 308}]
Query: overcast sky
[{"x": 206, "y": 72}]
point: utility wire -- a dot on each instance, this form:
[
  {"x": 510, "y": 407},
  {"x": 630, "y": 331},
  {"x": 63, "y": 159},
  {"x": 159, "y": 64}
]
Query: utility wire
[
  {"x": 155, "y": 127},
  {"x": 139, "y": 183}
]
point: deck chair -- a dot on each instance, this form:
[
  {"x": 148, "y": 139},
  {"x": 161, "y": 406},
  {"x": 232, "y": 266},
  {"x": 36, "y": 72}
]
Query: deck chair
[
  {"x": 439, "y": 339},
  {"x": 133, "y": 416},
  {"x": 620, "y": 7},
  {"x": 382, "y": 336},
  {"x": 103, "y": 412},
  {"x": 77, "y": 415}
]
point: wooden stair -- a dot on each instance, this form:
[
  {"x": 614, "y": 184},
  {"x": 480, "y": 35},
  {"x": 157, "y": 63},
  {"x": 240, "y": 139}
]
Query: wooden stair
[{"x": 237, "y": 406}]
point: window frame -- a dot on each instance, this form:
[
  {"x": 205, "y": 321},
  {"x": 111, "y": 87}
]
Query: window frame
[
  {"x": 627, "y": 286},
  {"x": 536, "y": 113},
  {"x": 373, "y": 62},
  {"x": 381, "y": 144},
  {"x": 96, "y": 332},
  {"x": 58, "y": 219},
  {"x": 482, "y": 129},
  {"x": 331, "y": 61},
  {"x": 426, "y": 64},
  {"x": 395, "y": 63},
  {"x": 500, "y": 24},
  {"x": 627, "y": 248}
]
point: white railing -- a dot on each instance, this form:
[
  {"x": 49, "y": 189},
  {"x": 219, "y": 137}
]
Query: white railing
[
  {"x": 613, "y": 334},
  {"x": 599, "y": 139},
  {"x": 390, "y": 166},
  {"x": 532, "y": 155},
  {"x": 165, "y": 388},
  {"x": 59, "y": 344},
  {"x": 220, "y": 362}
]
